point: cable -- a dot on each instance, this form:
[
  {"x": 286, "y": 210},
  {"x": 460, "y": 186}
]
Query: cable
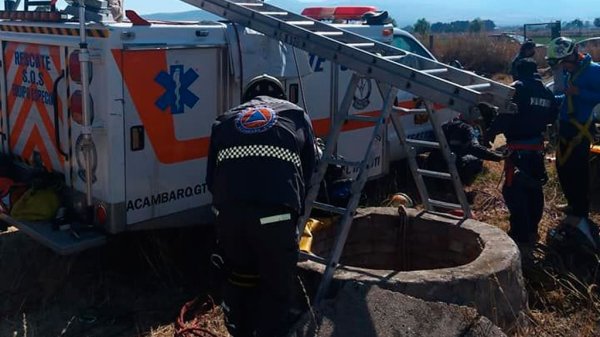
[
  {"x": 192, "y": 327},
  {"x": 239, "y": 45},
  {"x": 300, "y": 80}
]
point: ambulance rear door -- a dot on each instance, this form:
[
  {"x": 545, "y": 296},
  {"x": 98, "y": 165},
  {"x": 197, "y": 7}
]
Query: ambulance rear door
[
  {"x": 35, "y": 122},
  {"x": 172, "y": 96}
]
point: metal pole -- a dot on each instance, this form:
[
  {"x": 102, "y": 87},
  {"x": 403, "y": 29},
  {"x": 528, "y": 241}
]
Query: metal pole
[{"x": 88, "y": 143}]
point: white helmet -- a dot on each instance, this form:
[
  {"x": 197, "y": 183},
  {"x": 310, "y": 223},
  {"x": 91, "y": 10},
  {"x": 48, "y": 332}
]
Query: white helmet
[{"x": 560, "y": 48}]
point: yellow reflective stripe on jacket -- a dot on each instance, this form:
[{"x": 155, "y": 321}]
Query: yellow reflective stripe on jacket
[{"x": 584, "y": 131}]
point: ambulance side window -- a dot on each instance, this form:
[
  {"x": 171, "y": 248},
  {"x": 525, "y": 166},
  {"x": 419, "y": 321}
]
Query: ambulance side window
[{"x": 410, "y": 45}]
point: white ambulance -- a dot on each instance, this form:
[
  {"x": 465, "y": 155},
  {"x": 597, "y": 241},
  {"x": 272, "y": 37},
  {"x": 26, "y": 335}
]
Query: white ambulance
[{"x": 154, "y": 90}]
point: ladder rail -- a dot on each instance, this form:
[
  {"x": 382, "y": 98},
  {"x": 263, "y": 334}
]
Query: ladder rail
[
  {"x": 403, "y": 77},
  {"x": 450, "y": 158},
  {"x": 330, "y": 145},
  {"x": 465, "y": 77},
  {"x": 412, "y": 160},
  {"x": 357, "y": 187}
]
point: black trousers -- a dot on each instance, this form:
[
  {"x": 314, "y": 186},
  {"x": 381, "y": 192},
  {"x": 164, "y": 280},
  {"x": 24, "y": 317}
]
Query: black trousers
[
  {"x": 574, "y": 178},
  {"x": 261, "y": 259},
  {"x": 523, "y": 193},
  {"x": 526, "y": 206}
]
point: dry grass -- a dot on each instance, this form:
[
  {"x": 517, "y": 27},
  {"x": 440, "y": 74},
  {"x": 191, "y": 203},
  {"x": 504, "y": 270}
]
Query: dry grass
[
  {"x": 561, "y": 303},
  {"x": 488, "y": 55},
  {"x": 476, "y": 51}
]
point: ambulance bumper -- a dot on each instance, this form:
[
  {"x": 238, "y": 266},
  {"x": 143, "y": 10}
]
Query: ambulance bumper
[{"x": 63, "y": 242}]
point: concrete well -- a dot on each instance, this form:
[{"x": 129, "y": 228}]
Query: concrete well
[{"x": 431, "y": 257}]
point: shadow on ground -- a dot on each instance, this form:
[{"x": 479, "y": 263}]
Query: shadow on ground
[{"x": 133, "y": 285}]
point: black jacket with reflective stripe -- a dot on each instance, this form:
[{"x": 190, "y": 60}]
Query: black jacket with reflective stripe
[
  {"x": 269, "y": 163},
  {"x": 537, "y": 107}
]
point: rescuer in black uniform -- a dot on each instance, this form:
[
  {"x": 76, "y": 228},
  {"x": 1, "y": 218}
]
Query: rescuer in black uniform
[
  {"x": 464, "y": 141},
  {"x": 262, "y": 155},
  {"x": 527, "y": 50},
  {"x": 525, "y": 173}
]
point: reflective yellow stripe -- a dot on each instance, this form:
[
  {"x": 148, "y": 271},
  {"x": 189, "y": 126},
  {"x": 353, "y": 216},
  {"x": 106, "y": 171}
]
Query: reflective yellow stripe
[
  {"x": 252, "y": 276},
  {"x": 584, "y": 131},
  {"x": 242, "y": 284},
  {"x": 275, "y": 218},
  {"x": 96, "y": 33}
]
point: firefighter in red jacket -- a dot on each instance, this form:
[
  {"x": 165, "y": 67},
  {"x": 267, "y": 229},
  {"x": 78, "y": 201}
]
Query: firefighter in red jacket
[{"x": 261, "y": 158}]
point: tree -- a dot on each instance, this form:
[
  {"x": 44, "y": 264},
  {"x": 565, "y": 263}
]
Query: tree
[
  {"x": 489, "y": 25},
  {"x": 597, "y": 22},
  {"x": 476, "y": 26},
  {"x": 422, "y": 26},
  {"x": 408, "y": 28},
  {"x": 577, "y": 23}
]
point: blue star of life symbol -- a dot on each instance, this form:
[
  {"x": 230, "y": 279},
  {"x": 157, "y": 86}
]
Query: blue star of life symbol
[{"x": 177, "y": 94}]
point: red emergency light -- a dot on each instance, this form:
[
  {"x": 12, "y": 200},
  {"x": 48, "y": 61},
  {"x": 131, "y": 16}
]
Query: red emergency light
[
  {"x": 319, "y": 13},
  {"x": 76, "y": 106},
  {"x": 75, "y": 68},
  {"x": 338, "y": 13},
  {"x": 352, "y": 12}
]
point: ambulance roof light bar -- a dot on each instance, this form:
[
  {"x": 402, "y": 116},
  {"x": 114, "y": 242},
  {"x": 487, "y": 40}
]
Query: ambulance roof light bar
[
  {"x": 30, "y": 16},
  {"x": 338, "y": 13},
  {"x": 10, "y": 12}
]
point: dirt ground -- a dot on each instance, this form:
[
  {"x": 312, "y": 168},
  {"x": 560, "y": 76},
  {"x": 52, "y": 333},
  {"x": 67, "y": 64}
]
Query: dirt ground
[{"x": 134, "y": 286}]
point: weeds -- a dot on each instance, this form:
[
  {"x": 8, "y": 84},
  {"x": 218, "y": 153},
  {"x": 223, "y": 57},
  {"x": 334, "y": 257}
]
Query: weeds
[{"x": 561, "y": 301}]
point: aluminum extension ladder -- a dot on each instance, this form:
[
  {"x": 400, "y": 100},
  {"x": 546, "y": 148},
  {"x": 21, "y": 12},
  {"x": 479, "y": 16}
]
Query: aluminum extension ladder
[{"x": 393, "y": 69}]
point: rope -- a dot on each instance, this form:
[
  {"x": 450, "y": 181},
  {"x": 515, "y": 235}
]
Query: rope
[{"x": 192, "y": 328}]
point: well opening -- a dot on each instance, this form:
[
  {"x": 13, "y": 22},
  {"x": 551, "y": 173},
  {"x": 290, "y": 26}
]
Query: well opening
[{"x": 401, "y": 243}]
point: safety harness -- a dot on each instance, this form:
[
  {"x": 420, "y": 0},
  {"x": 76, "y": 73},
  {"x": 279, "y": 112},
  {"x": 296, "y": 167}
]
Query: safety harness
[{"x": 582, "y": 128}]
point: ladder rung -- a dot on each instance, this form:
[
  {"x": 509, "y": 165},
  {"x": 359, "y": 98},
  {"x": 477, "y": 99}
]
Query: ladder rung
[
  {"x": 408, "y": 111},
  {"x": 361, "y": 45},
  {"x": 301, "y": 23},
  {"x": 330, "y": 33},
  {"x": 443, "y": 204},
  {"x": 313, "y": 257},
  {"x": 251, "y": 4},
  {"x": 436, "y": 71},
  {"x": 435, "y": 174},
  {"x": 330, "y": 208},
  {"x": 275, "y": 13},
  {"x": 394, "y": 57},
  {"x": 478, "y": 86},
  {"x": 362, "y": 118},
  {"x": 423, "y": 143},
  {"x": 342, "y": 162}
]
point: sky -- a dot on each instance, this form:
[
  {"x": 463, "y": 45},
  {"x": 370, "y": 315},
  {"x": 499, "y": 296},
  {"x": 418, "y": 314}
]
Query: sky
[{"x": 408, "y": 11}]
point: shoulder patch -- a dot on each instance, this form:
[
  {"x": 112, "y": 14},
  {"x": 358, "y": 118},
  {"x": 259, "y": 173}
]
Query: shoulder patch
[{"x": 255, "y": 119}]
